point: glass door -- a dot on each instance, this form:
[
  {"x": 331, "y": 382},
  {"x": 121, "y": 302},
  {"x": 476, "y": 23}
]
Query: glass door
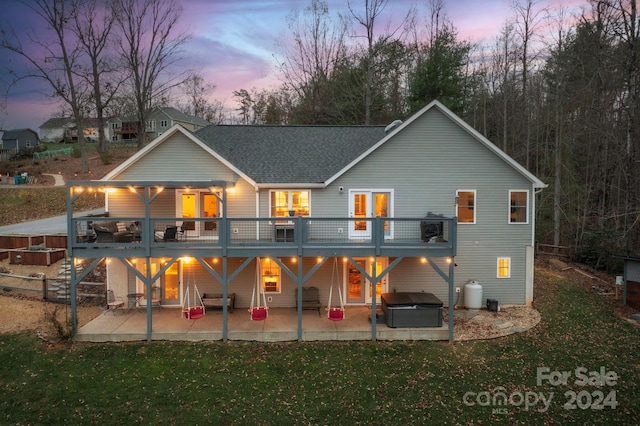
[
  {"x": 355, "y": 282},
  {"x": 155, "y": 286},
  {"x": 382, "y": 284},
  {"x": 382, "y": 208},
  {"x": 369, "y": 204},
  {"x": 359, "y": 208},
  {"x": 195, "y": 205},
  {"x": 359, "y": 288},
  {"x": 171, "y": 288}
]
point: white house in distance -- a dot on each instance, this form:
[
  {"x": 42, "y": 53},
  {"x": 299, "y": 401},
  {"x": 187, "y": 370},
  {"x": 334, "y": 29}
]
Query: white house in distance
[
  {"x": 422, "y": 207},
  {"x": 160, "y": 120},
  {"x": 64, "y": 129}
]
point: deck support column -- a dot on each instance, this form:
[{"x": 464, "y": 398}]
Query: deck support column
[
  {"x": 299, "y": 281},
  {"x": 225, "y": 292},
  {"x": 374, "y": 296},
  {"x": 147, "y": 284},
  {"x": 451, "y": 312}
]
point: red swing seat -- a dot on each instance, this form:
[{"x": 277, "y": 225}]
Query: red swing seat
[
  {"x": 259, "y": 314},
  {"x": 194, "y": 312},
  {"x": 335, "y": 314}
]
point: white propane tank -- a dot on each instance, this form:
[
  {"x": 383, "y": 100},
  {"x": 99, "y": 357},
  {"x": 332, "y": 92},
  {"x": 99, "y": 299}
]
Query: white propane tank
[{"x": 472, "y": 295}]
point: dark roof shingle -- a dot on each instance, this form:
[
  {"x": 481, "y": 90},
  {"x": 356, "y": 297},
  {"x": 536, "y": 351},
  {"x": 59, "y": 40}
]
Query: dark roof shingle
[{"x": 290, "y": 154}]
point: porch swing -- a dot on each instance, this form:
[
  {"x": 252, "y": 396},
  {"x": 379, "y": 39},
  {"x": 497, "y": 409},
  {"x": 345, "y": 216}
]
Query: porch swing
[
  {"x": 196, "y": 310},
  {"x": 257, "y": 312},
  {"x": 335, "y": 314}
]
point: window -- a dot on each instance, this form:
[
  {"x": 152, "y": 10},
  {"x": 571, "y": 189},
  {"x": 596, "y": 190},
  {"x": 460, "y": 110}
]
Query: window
[
  {"x": 270, "y": 275},
  {"x": 151, "y": 125},
  {"x": 285, "y": 202},
  {"x": 466, "y": 206},
  {"x": 519, "y": 207},
  {"x": 504, "y": 267},
  {"x": 164, "y": 123}
]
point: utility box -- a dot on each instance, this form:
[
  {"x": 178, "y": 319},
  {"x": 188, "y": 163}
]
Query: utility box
[{"x": 492, "y": 305}]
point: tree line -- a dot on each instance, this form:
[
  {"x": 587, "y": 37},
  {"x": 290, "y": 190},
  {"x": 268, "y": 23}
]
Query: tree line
[{"x": 556, "y": 89}]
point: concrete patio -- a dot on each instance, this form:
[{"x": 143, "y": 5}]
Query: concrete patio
[{"x": 280, "y": 326}]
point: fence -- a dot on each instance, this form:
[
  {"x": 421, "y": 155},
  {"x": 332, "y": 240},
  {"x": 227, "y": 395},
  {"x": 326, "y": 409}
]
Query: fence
[
  {"x": 53, "y": 289},
  {"x": 51, "y": 154}
]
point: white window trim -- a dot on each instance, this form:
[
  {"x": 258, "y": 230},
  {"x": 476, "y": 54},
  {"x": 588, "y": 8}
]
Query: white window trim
[
  {"x": 475, "y": 205},
  {"x": 289, "y": 198},
  {"x": 390, "y": 215},
  {"x": 526, "y": 222},
  {"x": 498, "y": 267},
  {"x": 279, "y": 291},
  {"x": 198, "y": 193}
]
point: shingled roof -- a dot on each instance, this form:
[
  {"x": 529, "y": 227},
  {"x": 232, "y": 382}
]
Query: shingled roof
[{"x": 290, "y": 154}]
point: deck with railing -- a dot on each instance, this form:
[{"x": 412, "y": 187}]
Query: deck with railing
[{"x": 276, "y": 236}]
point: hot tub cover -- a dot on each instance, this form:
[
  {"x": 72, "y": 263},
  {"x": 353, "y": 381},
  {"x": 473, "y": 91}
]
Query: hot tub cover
[{"x": 411, "y": 299}]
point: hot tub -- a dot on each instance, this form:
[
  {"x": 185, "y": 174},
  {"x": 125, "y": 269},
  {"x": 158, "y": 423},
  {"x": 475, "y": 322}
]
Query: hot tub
[{"x": 412, "y": 310}]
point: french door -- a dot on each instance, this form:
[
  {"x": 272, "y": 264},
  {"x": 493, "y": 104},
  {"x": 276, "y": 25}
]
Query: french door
[
  {"x": 367, "y": 204},
  {"x": 198, "y": 204},
  {"x": 359, "y": 289},
  {"x": 166, "y": 288}
]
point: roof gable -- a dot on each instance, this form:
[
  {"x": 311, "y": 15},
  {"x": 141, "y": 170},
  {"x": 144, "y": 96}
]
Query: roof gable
[
  {"x": 436, "y": 105},
  {"x": 14, "y": 134},
  {"x": 169, "y": 134}
]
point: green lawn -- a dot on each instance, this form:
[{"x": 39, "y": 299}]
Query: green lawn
[{"x": 337, "y": 383}]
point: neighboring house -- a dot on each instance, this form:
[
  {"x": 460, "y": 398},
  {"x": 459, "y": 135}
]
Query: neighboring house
[
  {"x": 425, "y": 206},
  {"x": 160, "y": 120},
  {"x": 64, "y": 129},
  {"x": 54, "y": 129},
  {"x": 19, "y": 139}
]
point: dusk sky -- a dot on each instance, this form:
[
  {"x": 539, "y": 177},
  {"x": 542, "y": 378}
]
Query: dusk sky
[{"x": 233, "y": 43}]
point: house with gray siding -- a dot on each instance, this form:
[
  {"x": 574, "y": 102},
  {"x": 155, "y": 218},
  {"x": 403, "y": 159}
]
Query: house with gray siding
[
  {"x": 159, "y": 120},
  {"x": 422, "y": 207},
  {"x": 19, "y": 139}
]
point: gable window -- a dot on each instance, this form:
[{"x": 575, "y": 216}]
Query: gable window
[
  {"x": 164, "y": 123},
  {"x": 285, "y": 202},
  {"x": 519, "y": 207},
  {"x": 466, "y": 206},
  {"x": 504, "y": 267},
  {"x": 270, "y": 275}
]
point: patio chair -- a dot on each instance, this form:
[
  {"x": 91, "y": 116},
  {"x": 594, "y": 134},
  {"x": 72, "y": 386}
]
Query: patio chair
[
  {"x": 186, "y": 226},
  {"x": 169, "y": 234},
  {"x": 114, "y": 303}
]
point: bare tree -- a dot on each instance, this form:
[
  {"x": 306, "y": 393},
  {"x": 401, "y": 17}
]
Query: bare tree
[
  {"x": 58, "y": 55},
  {"x": 196, "y": 89},
  {"x": 317, "y": 45},
  {"x": 528, "y": 19},
  {"x": 92, "y": 26},
  {"x": 149, "y": 45}
]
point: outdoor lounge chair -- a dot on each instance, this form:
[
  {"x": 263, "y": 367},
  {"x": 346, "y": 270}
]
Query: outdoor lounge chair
[
  {"x": 114, "y": 303},
  {"x": 169, "y": 234}
]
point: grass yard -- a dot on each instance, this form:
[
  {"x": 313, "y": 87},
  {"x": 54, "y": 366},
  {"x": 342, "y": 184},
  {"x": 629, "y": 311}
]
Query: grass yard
[{"x": 340, "y": 383}]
